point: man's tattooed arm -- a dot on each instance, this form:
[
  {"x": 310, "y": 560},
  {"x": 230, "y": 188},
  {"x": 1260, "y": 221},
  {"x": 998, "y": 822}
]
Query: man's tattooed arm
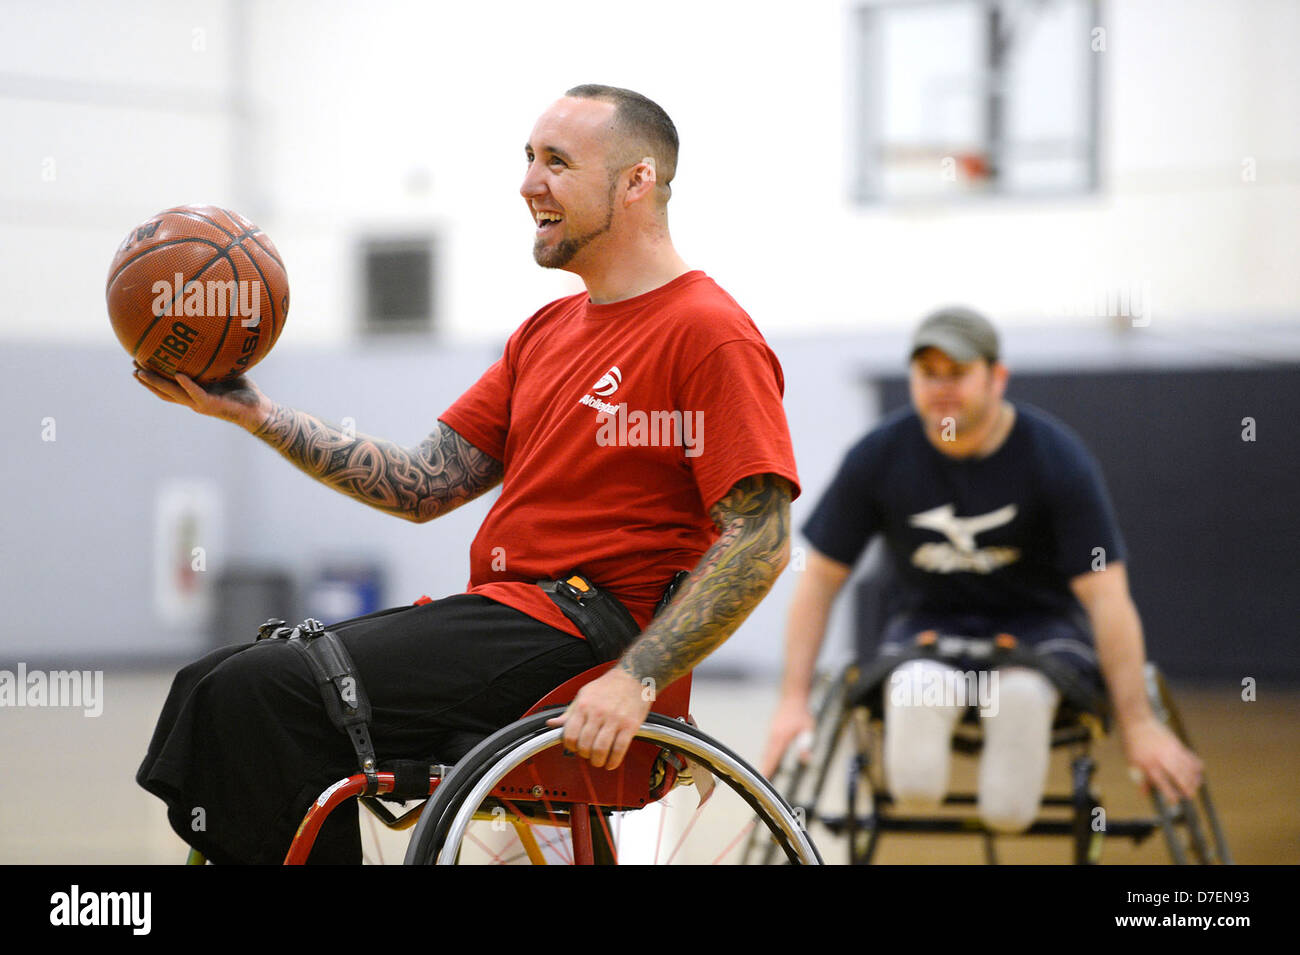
[
  {"x": 734, "y": 574},
  {"x": 419, "y": 484}
]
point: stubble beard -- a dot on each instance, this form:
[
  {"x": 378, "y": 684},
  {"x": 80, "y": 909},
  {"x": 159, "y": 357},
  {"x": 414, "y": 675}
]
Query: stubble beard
[
  {"x": 562, "y": 253},
  {"x": 965, "y": 420},
  {"x": 983, "y": 418}
]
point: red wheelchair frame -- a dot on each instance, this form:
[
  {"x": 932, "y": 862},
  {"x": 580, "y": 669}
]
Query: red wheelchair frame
[{"x": 554, "y": 776}]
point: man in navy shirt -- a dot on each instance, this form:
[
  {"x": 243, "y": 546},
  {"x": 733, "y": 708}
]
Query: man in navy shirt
[{"x": 995, "y": 520}]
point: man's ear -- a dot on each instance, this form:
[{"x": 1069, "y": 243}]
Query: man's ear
[
  {"x": 1000, "y": 377},
  {"x": 641, "y": 180}
]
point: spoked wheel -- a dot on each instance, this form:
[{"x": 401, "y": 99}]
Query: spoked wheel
[
  {"x": 803, "y": 781},
  {"x": 1190, "y": 826},
  {"x": 697, "y": 806}
]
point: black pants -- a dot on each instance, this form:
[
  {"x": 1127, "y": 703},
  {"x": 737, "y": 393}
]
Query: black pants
[{"x": 244, "y": 744}]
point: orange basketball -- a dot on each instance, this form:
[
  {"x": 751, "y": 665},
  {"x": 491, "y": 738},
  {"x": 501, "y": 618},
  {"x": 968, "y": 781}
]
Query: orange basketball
[{"x": 197, "y": 290}]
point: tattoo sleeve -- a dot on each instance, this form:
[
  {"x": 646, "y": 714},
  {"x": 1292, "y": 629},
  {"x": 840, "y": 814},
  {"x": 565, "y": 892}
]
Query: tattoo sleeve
[
  {"x": 753, "y": 521},
  {"x": 419, "y": 484}
]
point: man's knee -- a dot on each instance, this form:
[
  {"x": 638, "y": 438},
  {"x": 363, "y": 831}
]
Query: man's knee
[
  {"x": 918, "y": 737},
  {"x": 1025, "y": 693},
  {"x": 266, "y": 675},
  {"x": 1008, "y": 808},
  {"x": 1017, "y": 749}
]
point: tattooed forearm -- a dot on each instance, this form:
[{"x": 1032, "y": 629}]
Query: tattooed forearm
[
  {"x": 732, "y": 577},
  {"x": 418, "y": 484}
]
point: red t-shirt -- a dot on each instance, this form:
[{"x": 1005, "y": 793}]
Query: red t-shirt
[{"x": 619, "y": 426}]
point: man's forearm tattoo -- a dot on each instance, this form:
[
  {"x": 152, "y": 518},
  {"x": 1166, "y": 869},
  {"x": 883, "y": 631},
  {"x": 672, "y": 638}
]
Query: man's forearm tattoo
[
  {"x": 732, "y": 577},
  {"x": 418, "y": 483}
]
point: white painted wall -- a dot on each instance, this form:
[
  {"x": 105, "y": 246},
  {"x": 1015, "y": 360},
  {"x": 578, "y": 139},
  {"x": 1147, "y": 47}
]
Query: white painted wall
[{"x": 328, "y": 121}]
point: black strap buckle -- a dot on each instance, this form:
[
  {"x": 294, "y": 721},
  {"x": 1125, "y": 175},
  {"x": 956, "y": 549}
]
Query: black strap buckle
[
  {"x": 576, "y": 587},
  {"x": 597, "y": 614},
  {"x": 345, "y": 699},
  {"x": 273, "y": 629}
]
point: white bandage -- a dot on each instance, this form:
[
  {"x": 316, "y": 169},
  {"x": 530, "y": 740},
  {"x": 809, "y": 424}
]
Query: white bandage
[
  {"x": 918, "y": 736},
  {"x": 1017, "y": 745}
]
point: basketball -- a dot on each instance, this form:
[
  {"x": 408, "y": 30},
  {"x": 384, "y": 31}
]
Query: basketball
[{"x": 199, "y": 291}]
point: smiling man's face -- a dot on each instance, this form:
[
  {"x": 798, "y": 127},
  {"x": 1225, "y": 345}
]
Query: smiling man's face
[{"x": 569, "y": 187}]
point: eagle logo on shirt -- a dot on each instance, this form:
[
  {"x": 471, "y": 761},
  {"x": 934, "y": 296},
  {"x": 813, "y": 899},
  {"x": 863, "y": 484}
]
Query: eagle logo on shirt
[{"x": 959, "y": 553}]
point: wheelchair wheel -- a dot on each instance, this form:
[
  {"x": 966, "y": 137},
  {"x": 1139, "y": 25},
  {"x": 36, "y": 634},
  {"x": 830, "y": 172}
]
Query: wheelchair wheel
[
  {"x": 1191, "y": 826},
  {"x": 803, "y": 782},
  {"x": 487, "y": 811}
]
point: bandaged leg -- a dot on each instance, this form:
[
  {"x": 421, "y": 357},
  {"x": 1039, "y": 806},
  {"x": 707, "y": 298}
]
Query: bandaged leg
[
  {"x": 1017, "y": 746},
  {"x": 918, "y": 735}
]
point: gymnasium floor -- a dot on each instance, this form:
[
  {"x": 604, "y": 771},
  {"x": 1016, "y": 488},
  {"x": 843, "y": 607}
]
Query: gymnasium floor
[{"x": 68, "y": 795}]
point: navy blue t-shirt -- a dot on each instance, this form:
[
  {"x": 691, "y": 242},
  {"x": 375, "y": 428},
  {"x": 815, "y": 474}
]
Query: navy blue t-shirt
[{"x": 996, "y": 535}]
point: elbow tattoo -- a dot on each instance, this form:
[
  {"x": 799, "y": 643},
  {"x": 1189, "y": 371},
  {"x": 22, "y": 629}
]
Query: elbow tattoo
[{"x": 418, "y": 484}]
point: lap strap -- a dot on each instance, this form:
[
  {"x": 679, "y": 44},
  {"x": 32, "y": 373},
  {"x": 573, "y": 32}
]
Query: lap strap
[
  {"x": 599, "y": 616},
  {"x": 608, "y": 626},
  {"x": 340, "y": 685}
]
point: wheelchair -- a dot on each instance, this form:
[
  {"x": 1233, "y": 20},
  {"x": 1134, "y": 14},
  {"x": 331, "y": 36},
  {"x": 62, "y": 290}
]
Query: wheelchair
[
  {"x": 519, "y": 797},
  {"x": 849, "y": 719}
]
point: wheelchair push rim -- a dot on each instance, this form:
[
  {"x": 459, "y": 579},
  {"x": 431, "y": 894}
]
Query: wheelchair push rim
[{"x": 446, "y": 828}]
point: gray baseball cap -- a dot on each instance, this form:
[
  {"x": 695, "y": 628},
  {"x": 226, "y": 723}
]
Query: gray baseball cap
[{"x": 959, "y": 332}]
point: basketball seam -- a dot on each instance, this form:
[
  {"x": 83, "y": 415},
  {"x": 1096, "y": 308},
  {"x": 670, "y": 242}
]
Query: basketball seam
[
  {"x": 190, "y": 213},
  {"x": 265, "y": 284},
  {"x": 275, "y": 333},
  {"x": 225, "y": 329},
  {"x": 238, "y": 240},
  {"x": 235, "y": 239},
  {"x": 274, "y": 255},
  {"x": 252, "y": 233},
  {"x": 160, "y": 245},
  {"x": 223, "y": 254}
]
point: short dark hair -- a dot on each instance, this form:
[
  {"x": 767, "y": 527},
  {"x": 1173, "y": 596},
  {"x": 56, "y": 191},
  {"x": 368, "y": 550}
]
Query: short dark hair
[{"x": 643, "y": 122}]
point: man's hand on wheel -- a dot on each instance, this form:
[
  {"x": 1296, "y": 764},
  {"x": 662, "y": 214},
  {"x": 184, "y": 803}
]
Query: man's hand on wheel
[
  {"x": 1158, "y": 757},
  {"x": 238, "y": 400},
  {"x": 793, "y": 723},
  {"x": 602, "y": 719}
]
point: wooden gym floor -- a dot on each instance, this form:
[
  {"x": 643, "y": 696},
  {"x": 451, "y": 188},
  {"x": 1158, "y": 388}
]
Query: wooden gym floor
[{"x": 69, "y": 796}]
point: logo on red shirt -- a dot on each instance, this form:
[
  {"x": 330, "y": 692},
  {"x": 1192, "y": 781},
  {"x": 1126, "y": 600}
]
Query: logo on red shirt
[{"x": 608, "y": 383}]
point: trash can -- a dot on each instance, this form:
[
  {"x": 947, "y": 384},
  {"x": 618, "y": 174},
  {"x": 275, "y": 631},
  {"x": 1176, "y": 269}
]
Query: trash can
[{"x": 244, "y": 597}]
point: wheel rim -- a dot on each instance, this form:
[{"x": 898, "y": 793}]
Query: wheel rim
[{"x": 735, "y": 775}]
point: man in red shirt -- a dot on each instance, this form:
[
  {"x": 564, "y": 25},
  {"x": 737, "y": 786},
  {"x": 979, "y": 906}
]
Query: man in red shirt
[{"x": 637, "y": 431}]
